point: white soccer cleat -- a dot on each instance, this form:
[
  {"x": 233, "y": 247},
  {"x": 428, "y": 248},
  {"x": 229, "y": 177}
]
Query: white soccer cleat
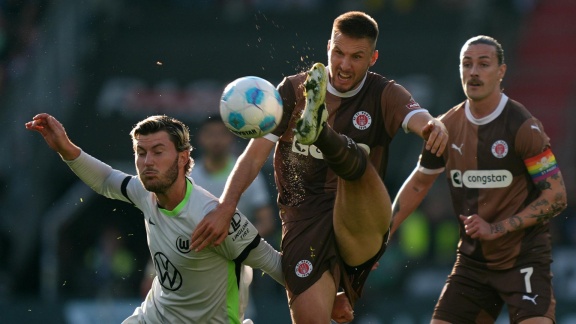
[{"x": 314, "y": 116}]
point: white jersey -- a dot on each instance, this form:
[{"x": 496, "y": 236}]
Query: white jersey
[{"x": 190, "y": 287}]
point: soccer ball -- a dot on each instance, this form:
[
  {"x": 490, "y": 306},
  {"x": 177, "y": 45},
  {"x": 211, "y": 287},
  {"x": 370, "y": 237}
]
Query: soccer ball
[{"x": 251, "y": 107}]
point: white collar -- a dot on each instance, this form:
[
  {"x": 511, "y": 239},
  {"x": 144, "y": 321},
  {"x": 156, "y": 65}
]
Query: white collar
[
  {"x": 346, "y": 94},
  {"x": 486, "y": 119}
]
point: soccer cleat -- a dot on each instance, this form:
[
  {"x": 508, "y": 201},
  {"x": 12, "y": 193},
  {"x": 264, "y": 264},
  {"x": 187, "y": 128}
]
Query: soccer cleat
[{"x": 314, "y": 116}]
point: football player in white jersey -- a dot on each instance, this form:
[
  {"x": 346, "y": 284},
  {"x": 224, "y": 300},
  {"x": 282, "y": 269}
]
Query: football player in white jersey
[{"x": 190, "y": 287}]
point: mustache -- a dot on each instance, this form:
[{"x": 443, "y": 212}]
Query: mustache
[{"x": 475, "y": 81}]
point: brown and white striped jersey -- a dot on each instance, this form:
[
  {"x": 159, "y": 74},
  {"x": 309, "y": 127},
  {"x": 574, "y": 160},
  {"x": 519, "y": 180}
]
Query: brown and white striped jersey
[
  {"x": 370, "y": 114},
  {"x": 485, "y": 166}
]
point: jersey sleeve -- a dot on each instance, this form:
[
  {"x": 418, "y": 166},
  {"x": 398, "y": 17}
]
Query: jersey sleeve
[
  {"x": 241, "y": 234},
  {"x": 533, "y": 146},
  {"x": 289, "y": 98},
  {"x": 99, "y": 176},
  {"x": 531, "y": 139},
  {"x": 398, "y": 107},
  {"x": 265, "y": 257}
]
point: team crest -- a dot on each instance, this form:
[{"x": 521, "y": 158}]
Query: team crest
[
  {"x": 303, "y": 268},
  {"x": 500, "y": 149},
  {"x": 362, "y": 120}
]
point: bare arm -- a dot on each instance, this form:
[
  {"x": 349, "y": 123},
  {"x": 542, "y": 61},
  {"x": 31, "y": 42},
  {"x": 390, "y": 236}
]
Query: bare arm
[
  {"x": 410, "y": 196},
  {"x": 213, "y": 229},
  {"x": 551, "y": 201},
  {"x": 431, "y": 130}
]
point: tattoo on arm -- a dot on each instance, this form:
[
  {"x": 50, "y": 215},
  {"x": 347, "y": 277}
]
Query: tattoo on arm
[
  {"x": 497, "y": 228},
  {"x": 540, "y": 218},
  {"x": 516, "y": 222},
  {"x": 554, "y": 210},
  {"x": 536, "y": 205},
  {"x": 543, "y": 185}
]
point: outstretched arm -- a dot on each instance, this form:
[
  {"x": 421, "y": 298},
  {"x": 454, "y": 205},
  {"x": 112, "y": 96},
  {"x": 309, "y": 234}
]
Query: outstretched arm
[
  {"x": 213, "y": 229},
  {"x": 410, "y": 196},
  {"x": 55, "y": 135},
  {"x": 432, "y": 130},
  {"x": 99, "y": 176},
  {"x": 551, "y": 201}
]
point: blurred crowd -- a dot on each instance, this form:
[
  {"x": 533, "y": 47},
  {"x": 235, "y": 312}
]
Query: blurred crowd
[{"x": 19, "y": 32}]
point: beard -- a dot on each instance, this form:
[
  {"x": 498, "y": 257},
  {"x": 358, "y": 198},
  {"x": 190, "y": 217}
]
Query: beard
[{"x": 163, "y": 182}]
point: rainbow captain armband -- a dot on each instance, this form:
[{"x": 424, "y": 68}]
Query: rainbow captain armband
[{"x": 542, "y": 166}]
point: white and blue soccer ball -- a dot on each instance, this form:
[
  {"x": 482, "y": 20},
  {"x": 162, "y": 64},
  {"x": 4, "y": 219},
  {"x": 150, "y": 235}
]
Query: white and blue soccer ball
[{"x": 251, "y": 107}]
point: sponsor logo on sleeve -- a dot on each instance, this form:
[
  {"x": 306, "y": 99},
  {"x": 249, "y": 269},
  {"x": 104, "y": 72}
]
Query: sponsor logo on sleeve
[
  {"x": 238, "y": 227},
  {"x": 413, "y": 104}
]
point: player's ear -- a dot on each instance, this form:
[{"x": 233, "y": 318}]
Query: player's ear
[
  {"x": 374, "y": 58},
  {"x": 501, "y": 71},
  {"x": 183, "y": 157}
]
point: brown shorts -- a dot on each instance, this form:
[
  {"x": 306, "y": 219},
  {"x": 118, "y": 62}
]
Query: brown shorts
[
  {"x": 309, "y": 249},
  {"x": 473, "y": 295}
]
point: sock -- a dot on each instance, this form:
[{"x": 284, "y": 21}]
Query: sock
[{"x": 342, "y": 154}]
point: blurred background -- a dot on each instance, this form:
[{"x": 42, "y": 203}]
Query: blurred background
[{"x": 68, "y": 255}]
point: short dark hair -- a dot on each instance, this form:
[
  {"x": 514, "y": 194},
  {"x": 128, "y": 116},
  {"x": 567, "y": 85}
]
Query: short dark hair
[
  {"x": 487, "y": 40},
  {"x": 178, "y": 132},
  {"x": 356, "y": 24}
]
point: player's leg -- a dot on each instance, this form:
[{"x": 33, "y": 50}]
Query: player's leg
[
  {"x": 528, "y": 292},
  {"x": 467, "y": 298},
  {"x": 314, "y": 305},
  {"x": 362, "y": 214},
  {"x": 363, "y": 209}
]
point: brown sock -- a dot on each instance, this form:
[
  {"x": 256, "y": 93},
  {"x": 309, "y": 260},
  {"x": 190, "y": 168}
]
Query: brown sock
[{"x": 342, "y": 154}]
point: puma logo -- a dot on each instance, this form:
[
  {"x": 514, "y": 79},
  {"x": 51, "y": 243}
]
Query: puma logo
[
  {"x": 532, "y": 299},
  {"x": 458, "y": 148}
]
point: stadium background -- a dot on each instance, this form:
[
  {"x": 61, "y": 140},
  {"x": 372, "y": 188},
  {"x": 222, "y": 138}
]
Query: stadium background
[{"x": 70, "y": 256}]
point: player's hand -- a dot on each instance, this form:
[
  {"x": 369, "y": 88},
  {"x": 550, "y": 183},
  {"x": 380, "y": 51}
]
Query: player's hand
[
  {"x": 477, "y": 228},
  {"x": 342, "y": 311},
  {"x": 213, "y": 229},
  {"x": 436, "y": 136},
  {"x": 54, "y": 134}
]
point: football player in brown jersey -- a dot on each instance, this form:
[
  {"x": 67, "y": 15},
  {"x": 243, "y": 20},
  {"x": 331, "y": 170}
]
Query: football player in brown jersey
[
  {"x": 505, "y": 186},
  {"x": 331, "y": 151}
]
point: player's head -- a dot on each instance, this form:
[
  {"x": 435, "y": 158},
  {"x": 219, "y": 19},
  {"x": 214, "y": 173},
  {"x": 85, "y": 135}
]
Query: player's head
[
  {"x": 214, "y": 139},
  {"x": 356, "y": 24},
  {"x": 486, "y": 40},
  {"x": 178, "y": 135},
  {"x": 351, "y": 49},
  {"x": 482, "y": 68}
]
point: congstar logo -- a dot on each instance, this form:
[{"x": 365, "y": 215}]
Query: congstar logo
[{"x": 481, "y": 178}]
